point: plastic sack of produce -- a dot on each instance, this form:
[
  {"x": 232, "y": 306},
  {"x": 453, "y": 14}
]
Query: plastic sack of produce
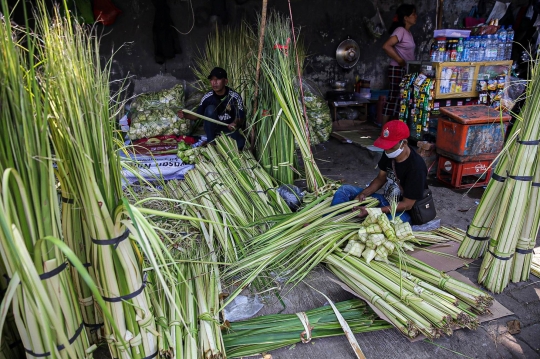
[
  {"x": 318, "y": 113},
  {"x": 172, "y": 98},
  {"x": 157, "y": 122}
]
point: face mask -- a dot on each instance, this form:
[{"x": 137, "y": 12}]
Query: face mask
[{"x": 395, "y": 153}]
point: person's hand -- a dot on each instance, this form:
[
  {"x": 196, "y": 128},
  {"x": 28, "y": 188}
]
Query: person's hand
[
  {"x": 232, "y": 126},
  {"x": 362, "y": 211},
  {"x": 402, "y": 63},
  {"x": 180, "y": 114},
  {"x": 361, "y": 197}
]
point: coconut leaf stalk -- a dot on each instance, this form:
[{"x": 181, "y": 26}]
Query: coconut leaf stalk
[
  {"x": 409, "y": 303},
  {"x": 232, "y": 191},
  {"x": 452, "y": 233},
  {"x": 171, "y": 300},
  {"x": 280, "y": 72},
  {"x": 475, "y": 240},
  {"x": 10, "y": 346},
  {"x": 398, "y": 314},
  {"x": 275, "y": 147},
  {"x": 77, "y": 238},
  {"x": 296, "y": 243},
  {"x": 82, "y": 125},
  {"x": 497, "y": 264},
  {"x": 262, "y": 334},
  {"x": 477, "y": 299},
  {"x": 44, "y": 309},
  {"x": 527, "y": 240},
  {"x": 243, "y": 172}
]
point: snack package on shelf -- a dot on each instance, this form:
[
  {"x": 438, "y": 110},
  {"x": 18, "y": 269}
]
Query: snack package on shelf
[
  {"x": 491, "y": 91},
  {"x": 416, "y": 103}
]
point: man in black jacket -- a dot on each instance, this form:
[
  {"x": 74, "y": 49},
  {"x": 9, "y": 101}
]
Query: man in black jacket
[{"x": 221, "y": 104}]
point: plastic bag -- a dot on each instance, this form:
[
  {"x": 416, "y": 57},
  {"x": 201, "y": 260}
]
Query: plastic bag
[
  {"x": 242, "y": 308},
  {"x": 430, "y": 226},
  {"x": 157, "y": 122},
  {"x": 498, "y": 11},
  {"x": 512, "y": 93},
  {"x": 318, "y": 113},
  {"x": 172, "y": 98},
  {"x": 375, "y": 25},
  {"x": 291, "y": 195},
  {"x": 317, "y": 110}
]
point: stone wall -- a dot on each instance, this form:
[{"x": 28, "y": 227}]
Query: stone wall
[{"x": 324, "y": 24}]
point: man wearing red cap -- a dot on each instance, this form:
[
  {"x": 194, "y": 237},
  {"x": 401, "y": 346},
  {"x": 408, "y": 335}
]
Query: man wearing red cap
[
  {"x": 402, "y": 174},
  {"x": 221, "y": 104}
]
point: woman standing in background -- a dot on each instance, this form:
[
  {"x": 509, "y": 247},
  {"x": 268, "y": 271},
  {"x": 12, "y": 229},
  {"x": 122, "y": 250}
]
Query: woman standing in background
[{"x": 400, "y": 48}]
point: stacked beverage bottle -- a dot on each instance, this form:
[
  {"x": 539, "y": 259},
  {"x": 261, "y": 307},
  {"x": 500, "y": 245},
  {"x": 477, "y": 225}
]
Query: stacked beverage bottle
[{"x": 493, "y": 47}]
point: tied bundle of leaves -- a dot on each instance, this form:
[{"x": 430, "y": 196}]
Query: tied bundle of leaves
[
  {"x": 411, "y": 302},
  {"x": 270, "y": 332},
  {"x": 506, "y": 222}
]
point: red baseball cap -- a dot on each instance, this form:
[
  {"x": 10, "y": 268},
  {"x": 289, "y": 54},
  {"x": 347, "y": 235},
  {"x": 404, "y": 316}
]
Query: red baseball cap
[{"x": 392, "y": 132}]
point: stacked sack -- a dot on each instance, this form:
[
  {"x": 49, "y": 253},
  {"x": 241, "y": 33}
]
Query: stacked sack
[{"x": 155, "y": 114}]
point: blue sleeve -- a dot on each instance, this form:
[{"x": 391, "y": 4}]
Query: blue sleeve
[{"x": 200, "y": 109}]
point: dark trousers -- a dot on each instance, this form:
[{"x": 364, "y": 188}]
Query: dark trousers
[{"x": 212, "y": 130}]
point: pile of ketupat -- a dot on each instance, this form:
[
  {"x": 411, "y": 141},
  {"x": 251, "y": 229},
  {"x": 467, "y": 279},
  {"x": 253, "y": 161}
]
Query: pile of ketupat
[{"x": 379, "y": 237}]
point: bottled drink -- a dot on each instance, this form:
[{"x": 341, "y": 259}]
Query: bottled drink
[
  {"x": 501, "y": 34},
  {"x": 434, "y": 52},
  {"x": 508, "y": 51},
  {"x": 477, "y": 41},
  {"x": 441, "y": 43},
  {"x": 509, "y": 41},
  {"x": 494, "y": 47},
  {"x": 473, "y": 56},
  {"x": 481, "y": 48},
  {"x": 488, "y": 55},
  {"x": 453, "y": 50},
  {"x": 501, "y": 51},
  {"x": 465, "y": 56},
  {"x": 459, "y": 50},
  {"x": 495, "y": 44},
  {"x": 510, "y": 34},
  {"x": 447, "y": 50}
]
